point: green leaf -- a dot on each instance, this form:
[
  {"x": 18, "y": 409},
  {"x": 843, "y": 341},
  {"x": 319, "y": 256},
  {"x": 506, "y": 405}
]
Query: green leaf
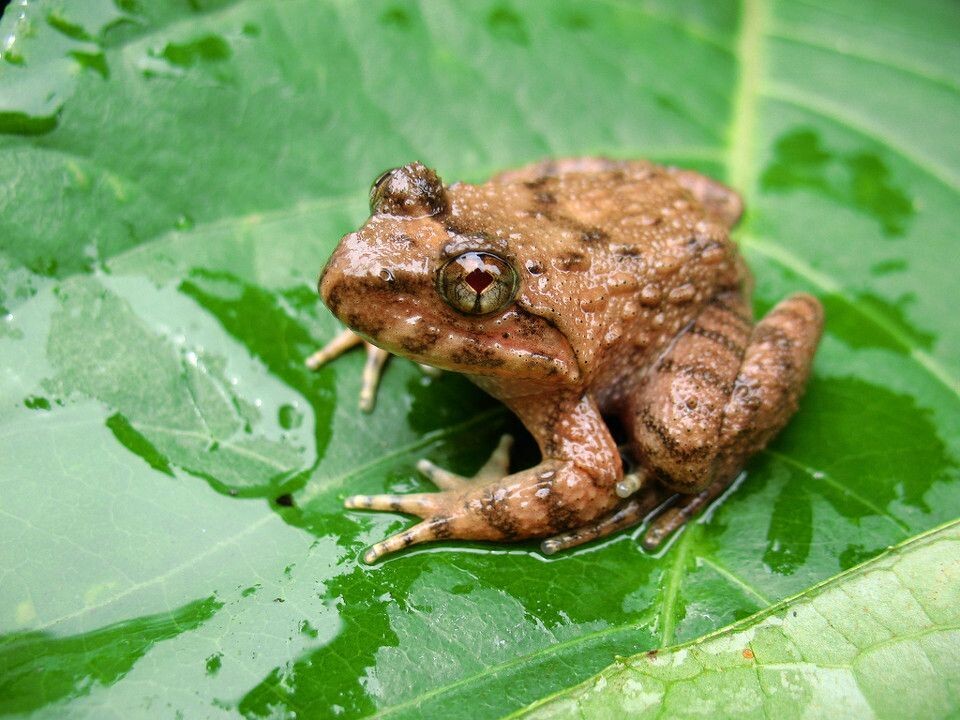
[
  {"x": 172, "y": 536},
  {"x": 880, "y": 640}
]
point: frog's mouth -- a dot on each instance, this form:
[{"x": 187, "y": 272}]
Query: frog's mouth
[{"x": 403, "y": 314}]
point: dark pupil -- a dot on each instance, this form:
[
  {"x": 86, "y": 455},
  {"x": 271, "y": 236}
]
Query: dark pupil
[{"x": 479, "y": 280}]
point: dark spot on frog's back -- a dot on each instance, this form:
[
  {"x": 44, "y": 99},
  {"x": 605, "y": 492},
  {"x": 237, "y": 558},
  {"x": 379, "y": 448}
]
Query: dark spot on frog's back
[
  {"x": 572, "y": 262},
  {"x": 627, "y": 251},
  {"x": 544, "y": 197}
]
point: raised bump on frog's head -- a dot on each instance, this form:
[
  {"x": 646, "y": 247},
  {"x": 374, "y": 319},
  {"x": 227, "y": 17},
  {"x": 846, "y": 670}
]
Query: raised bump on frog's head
[{"x": 413, "y": 190}]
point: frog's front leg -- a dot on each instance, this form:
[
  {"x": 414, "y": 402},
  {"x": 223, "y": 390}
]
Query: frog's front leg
[
  {"x": 571, "y": 487},
  {"x": 372, "y": 369}
]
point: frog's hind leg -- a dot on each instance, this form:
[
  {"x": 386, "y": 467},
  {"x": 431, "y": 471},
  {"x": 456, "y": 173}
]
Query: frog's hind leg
[
  {"x": 560, "y": 493},
  {"x": 632, "y": 512},
  {"x": 677, "y": 515},
  {"x": 717, "y": 396}
]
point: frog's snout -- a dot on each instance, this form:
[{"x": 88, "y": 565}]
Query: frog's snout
[
  {"x": 352, "y": 277},
  {"x": 333, "y": 275}
]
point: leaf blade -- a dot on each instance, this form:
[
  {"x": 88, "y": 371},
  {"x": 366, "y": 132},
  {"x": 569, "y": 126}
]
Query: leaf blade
[
  {"x": 828, "y": 649},
  {"x": 192, "y": 195}
]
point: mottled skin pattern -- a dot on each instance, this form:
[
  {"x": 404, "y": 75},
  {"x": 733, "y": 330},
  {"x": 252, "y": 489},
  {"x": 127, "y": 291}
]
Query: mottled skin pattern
[{"x": 632, "y": 302}]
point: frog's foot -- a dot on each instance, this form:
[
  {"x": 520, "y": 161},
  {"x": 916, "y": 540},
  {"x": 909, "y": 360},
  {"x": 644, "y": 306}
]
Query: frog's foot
[
  {"x": 631, "y": 483},
  {"x": 433, "y": 507},
  {"x": 425, "y": 505},
  {"x": 437, "y": 509},
  {"x": 372, "y": 370},
  {"x": 631, "y": 512},
  {"x": 635, "y": 510},
  {"x": 676, "y": 516},
  {"x": 493, "y": 469}
]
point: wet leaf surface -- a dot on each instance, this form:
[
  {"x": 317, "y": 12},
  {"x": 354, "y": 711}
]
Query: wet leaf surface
[
  {"x": 828, "y": 652},
  {"x": 171, "y": 476}
]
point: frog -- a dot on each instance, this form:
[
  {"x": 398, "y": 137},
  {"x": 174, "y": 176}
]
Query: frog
[{"x": 591, "y": 296}]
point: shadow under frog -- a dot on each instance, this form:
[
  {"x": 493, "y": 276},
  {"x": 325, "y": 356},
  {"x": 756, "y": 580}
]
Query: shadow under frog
[{"x": 572, "y": 290}]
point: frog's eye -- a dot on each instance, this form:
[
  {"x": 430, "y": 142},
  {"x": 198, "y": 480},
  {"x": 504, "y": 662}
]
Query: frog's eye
[{"x": 477, "y": 283}]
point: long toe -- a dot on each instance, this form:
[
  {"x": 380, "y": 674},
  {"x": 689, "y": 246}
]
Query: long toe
[
  {"x": 372, "y": 372},
  {"x": 433, "y": 529},
  {"x": 422, "y": 504},
  {"x": 443, "y": 479}
]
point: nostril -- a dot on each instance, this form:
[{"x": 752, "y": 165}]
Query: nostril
[{"x": 386, "y": 275}]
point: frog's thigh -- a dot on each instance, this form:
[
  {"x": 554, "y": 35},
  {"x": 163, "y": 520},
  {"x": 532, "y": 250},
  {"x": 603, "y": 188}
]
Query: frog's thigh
[
  {"x": 723, "y": 390},
  {"x": 771, "y": 380}
]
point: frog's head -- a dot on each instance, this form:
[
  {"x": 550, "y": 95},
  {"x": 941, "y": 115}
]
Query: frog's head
[{"x": 417, "y": 284}]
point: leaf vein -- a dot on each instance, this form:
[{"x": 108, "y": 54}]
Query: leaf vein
[{"x": 828, "y": 110}]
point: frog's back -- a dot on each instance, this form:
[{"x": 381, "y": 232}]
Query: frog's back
[{"x": 620, "y": 254}]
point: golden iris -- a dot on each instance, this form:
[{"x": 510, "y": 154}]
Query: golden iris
[{"x": 477, "y": 283}]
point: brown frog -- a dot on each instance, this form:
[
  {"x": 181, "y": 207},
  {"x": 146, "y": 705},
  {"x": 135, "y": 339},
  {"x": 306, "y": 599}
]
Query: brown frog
[{"x": 573, "y": 290}]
